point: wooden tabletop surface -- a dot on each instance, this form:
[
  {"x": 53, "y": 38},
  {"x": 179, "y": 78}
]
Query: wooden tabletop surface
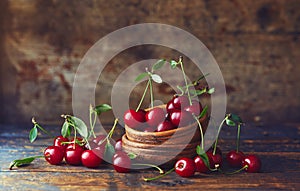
[{"x": 277, "y": 145}]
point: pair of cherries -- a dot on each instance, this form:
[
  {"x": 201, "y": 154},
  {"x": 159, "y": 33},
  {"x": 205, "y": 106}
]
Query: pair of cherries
[{"x": 178, "y": 113}]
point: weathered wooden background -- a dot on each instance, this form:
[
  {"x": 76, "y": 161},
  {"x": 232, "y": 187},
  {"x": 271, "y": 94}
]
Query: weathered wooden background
[{"x": 256, "y": 44}]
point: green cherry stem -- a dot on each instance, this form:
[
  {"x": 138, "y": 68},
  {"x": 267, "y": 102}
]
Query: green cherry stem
[
  {"x": 201, "y": 131},
  {"x": 234, "y": 172},
  {"x": 238, "y": 137},
  {"x": 159, "y": 176},
  {"x": 143, "y": 96},
  {"x": 185, "y": 80},
  {"x": 219, "y": 129},
  {"x": 150, "y": 165},
  {"x": 41, "y": 128},
  {"x": 92, "y": 121},
  {"x": 151, "y": 92}
]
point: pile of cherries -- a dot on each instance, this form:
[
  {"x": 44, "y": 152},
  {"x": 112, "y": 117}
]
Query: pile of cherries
[{"x": 76, "y": 152}]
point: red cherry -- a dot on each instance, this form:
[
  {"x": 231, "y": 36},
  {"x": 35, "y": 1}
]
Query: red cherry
[
  {"x": 180, "y": 102},
  {"x": 181, "y": 118},
  {"x": 165, "y": 126},
  {"x": 185, "y": 167},
  {"x": 118, "y": 145},
  {"x": 170, "y": 106},
  {"x": 155, "y": 116},
  {"x": 54, "y": 155},
  {"x": 73, "y": 154},
  {"x": 234, "y": 158},
  {"x": 195, "y": 108},
  {"x": 58, "y": 142},
  {"x": 215, "y": 158},
  {"x": 252, "y": 162},
  {"x": 218, "y": 150},
  {"x": 90, "y": 159},
  {"x": 98, "y": 141},
  {"x": 200, "y": 165},
  {"x": 121, "y": 162},
  {"x": 134, "y": 119}
]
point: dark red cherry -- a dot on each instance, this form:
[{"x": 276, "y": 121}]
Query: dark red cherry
[
  {"x": 252, "y": 162},
  {"x": 200, "y": 165},
  {"x": 195, "y": 108},
  {"x": 234, "y": 158},
  {"x": 58, "y": 142},
  {"x": 155, "y": 116},
  {"x": 215, "y": 158},
  {"x": 165, "y": 126},
  {"x": 181, "y": 118},
  {"x": 185, "y": 167},
  {"x": 134, "y": 119},
  {"x": 170, "y": 106},
  {"x": 73, "y": 154},
  {"x": 121, "y": 162},
  {"x": 98, "y": 141},
  {"x": 118, "y": 145},
  {"x": 54, "y": 155},
  {"x": 90, "y": 159},
  {"x": 218, "y": 150},
  {"x": 180, "y": 102}
]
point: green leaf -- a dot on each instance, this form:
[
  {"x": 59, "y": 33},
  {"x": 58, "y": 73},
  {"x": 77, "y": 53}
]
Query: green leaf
[
  {"x": 199, "y": 150},
  {"x": 203, "y": 112},
  {"x": 173, "y": 64},
  {"x": 22, "y": 162},
  {"x": 156, "y": 78},
  {"x": 141, "y": 76},
  {"x": 211, "y": 91},
  {"x": 109, "y": 151},
  {"x": 160, "y": 63},
  {"x": 33, "y": 134},
  {"x": 203, "y": 156},
  {"x": 230, "y": 122},
  {"x": 132, "y": 155},
  {"x": 236, "y": 118},
  {"x": 80, "y": 126},
  {"x": 65, "y": 130},
  {"x": 102, "y": 108}
]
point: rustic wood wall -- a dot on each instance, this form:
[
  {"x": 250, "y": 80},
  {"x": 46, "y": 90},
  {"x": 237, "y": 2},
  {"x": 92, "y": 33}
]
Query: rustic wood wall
[{"x": 256, "y": 44}]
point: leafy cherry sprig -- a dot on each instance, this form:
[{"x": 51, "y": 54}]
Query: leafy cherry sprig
[
  {"x": 34, "y": 131},
  {"x": 151, "y": 77}
]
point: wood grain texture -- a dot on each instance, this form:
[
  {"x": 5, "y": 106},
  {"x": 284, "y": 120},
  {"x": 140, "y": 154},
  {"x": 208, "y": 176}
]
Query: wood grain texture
[{"x": 279, "y": 152}]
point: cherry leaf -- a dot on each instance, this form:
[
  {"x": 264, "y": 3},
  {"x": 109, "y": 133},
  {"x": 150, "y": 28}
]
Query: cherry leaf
[
  {"x": 109, "y": 152},
  {"x": 141, "y": 76},
  {"x": 65, "y": 129},
  {"x": 230, "y": 122},
  {"x": 102, "y": 108},
  {"x": 156, "y": 78},
  {"x": 173, "y": 64},
  {"x": 211, "y": 91},
  {"x": 236, "y": 118},
  {"x": 160, "y": 63},
  {"x": 203, "y": 112},
  {"x": 33, "y": 134},
  {"x": 132, "y": 155},
  {"x": 22, "y": 162},
  {"x": 80, "y": 126}
]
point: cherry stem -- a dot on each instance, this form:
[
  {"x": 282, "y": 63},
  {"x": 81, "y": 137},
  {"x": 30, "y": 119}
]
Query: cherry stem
[
  {"x": 159, "y": 176},
  {"x": 185, "y": 80},
  {"x": 234, "y": 172},
  {"x": 41, "y": 128},
  {"x": 238, "y": 137},
  {"x": 219, "y": 129},
  {"x": 110, "y": 133},
  {"x": 150, "y": 165},
  {"x": 92, "y": 123},
  {"x": 151, "y": 93},
  {"x": 201, "y": 131},
  {"x": 143, "y": 96}
]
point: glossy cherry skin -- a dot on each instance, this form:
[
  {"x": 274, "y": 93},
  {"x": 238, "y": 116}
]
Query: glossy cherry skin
[
  {"x": 73, "y": 154},
  {"x": 200, "y": 165},
  {"x": 180, "y": 102},
  {"x": 54, "y": 155},
  {"x": 58, "y": 142},
  {"x": 134, "y": 119},
  {"x": 164, "y": 126},
  {"x": 252, "y": 162},
  {"x": 121, "y": 162},
  {"x": 181, "y": 118},
  {"x": 215, "y": 158},
  {"x": 234, "y": 158},
  {"x": 170, "y": 106},
  {"x": 90, "y": 159},
  {"x": 195, "y": 108},
  {"x": 118, "y": 145},
  {"x": 185, "y": 167},
  {"x": 155, "y": 116},
  {"x": 98, "y": 141}
]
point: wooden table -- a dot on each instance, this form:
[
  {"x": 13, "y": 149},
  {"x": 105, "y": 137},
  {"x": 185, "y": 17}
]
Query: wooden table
[{"x": 277, "y": 145}]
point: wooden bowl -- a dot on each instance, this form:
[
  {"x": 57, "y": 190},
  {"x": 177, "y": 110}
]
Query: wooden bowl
[{"x": 164, "y": 147}]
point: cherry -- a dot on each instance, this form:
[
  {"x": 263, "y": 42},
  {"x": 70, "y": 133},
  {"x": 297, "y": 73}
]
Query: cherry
[
  {"x": 218, "y": 150},
  {"x": 235, "y": 158},
  {"x": 165, "y": 126},
  {"x": 90, "y": 159},
  {"x": 58, "y": 142},
  {"x": 215, "y": 158},
  {"x": 200, "y": 165},
  {"x": 73, "y": 154},
  {"x": 180, "y": 102},
  {"x": 251, "y": 163},
  {"x": 54, "y": 155},
  {"x": 185, "y": 167},
  {"x": 118, "y": 145},
  {"x": 99, "y": 139},
  {"x": 134, "y": 119},
  {"x": 121, "y": 162},
  {"x": 155, "y": 116},
  {"x": 181, "y": 118},
  {"x": 195, "y": 108},
  {"x": 170, "y": 106}
]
